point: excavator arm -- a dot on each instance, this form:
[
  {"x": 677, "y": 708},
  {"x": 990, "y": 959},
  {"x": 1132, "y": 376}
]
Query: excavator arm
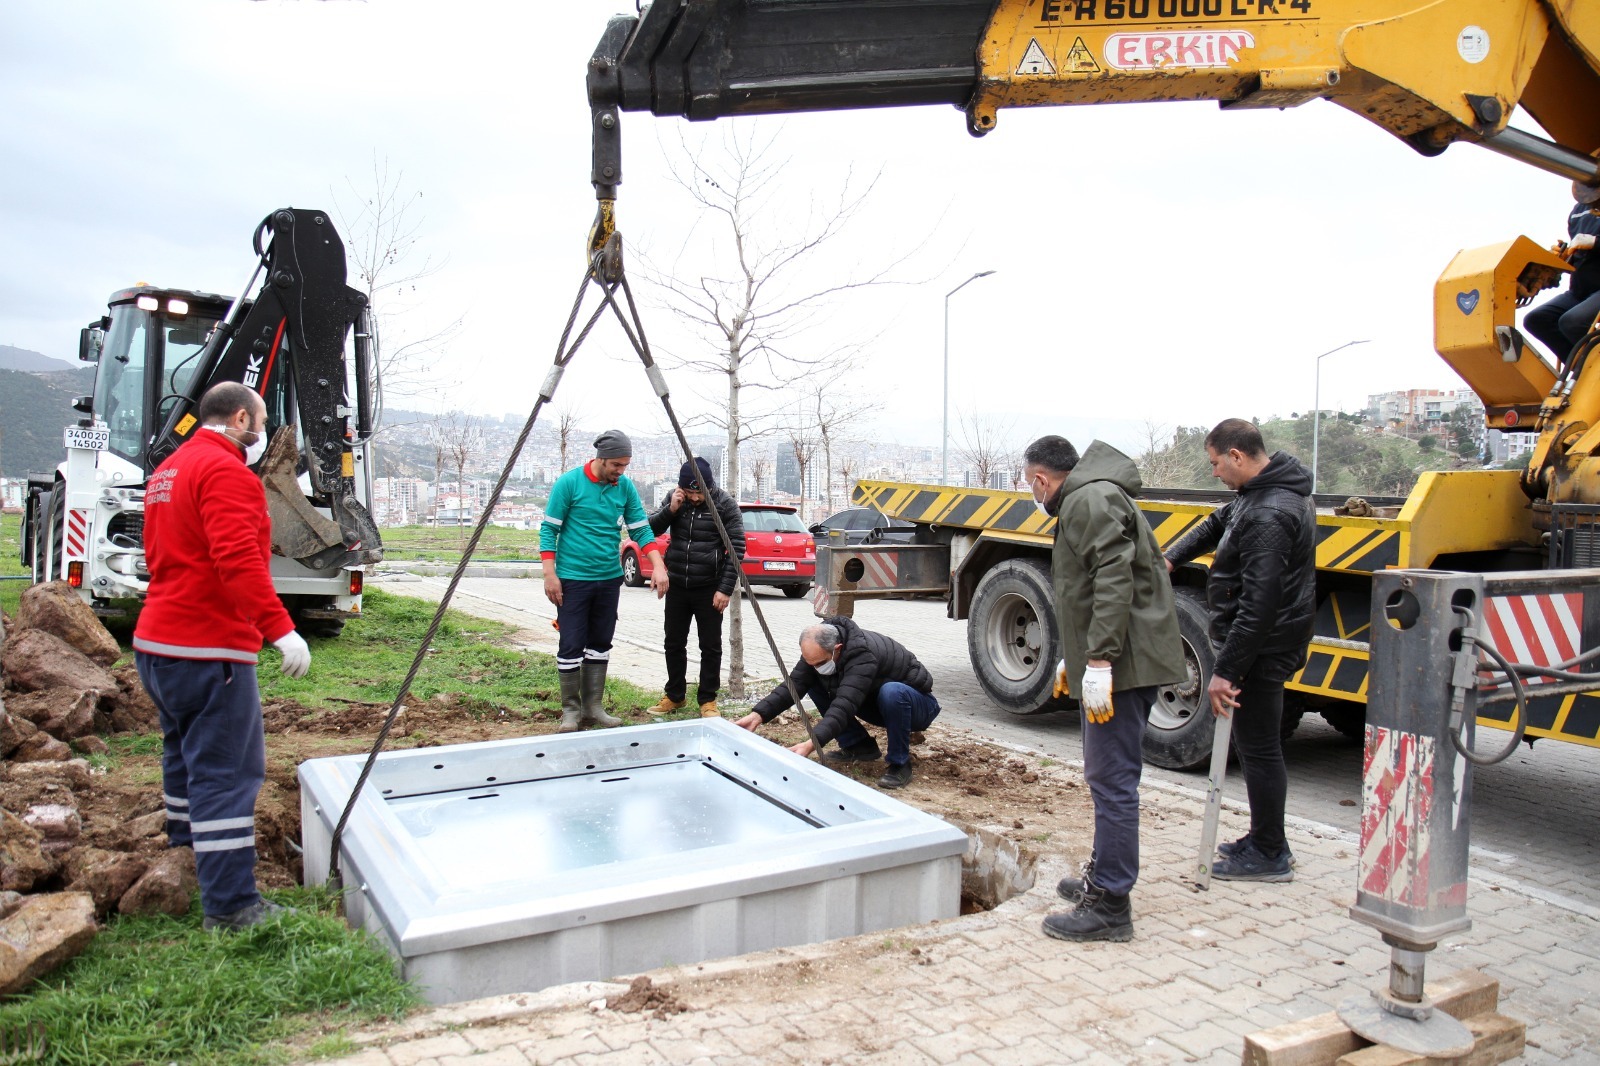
[{"x": 289, "y": 341}]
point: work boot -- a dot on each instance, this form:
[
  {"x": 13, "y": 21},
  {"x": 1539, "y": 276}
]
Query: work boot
[
  {"x": 666, "y": 706},
  {"x": 866, "y": 751},
  {"x": 594, "y": 695},
  {"x": 262, "y": 910},
  {"x": 708, "y": 709},
  {"x": 1071, "y": 888},
  {"x": 896, "y": 776},
  {"x": 1250, "y": 864},
  {"x": 1229, "y": 850},
  {"x": 1099, "y": 915},
  {"x": 571, "y": 701}
]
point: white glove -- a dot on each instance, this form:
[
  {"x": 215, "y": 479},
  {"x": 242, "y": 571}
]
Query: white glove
[
  {"x": 296, "y": 654},
  {"x": 1060, "y": 688},
  {"x": 1096, "y": 694}
]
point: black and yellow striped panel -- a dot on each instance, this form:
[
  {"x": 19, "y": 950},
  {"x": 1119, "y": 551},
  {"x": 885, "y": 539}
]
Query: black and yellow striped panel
[
  {"x": 1334, "y": 672},
  {"x": 1362, "y": 548},
  {"x": 1574, "y": 718}
]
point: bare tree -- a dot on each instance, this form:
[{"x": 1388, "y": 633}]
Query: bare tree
[
  {"x": 764, "y": 285},
  {"x": 986, "y": 445},
  {"x": 566, "y": 428},
  {"x": 458, "y": 439},
  {"x": 1171, "y": 458},
  {"x": 838, "y": 410},
  {"x": 381, "y": 229},
  {"x": 759, "y": 465},
  {"x": 802, "y": 444}
]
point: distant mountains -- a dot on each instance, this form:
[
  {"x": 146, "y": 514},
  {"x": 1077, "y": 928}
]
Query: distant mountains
[
  {"x": 23, "y": 359},
  {"x": 36, "y": 394}
]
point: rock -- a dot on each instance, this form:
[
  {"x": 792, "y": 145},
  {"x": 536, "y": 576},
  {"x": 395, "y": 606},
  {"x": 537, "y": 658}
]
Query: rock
[
  {"x": 167, "y": 887},
  {"x": 40, "y": 935},
  {"x": 13, "y": 731},
  {"x": 56, "y": 609},
  {"x": 10, "y": 901},
  {"x": 71, "y": 774},
  {"x": 23, "y": 863},
  {"x": 79, "y": 719},
  {"x": 41, "y": 747},
  {"x": 40, "y": 707},
  {"x": 148, "y": 825},
  {"x": 35, "y": 659},
  {"x": 133, "y": 711},
  {"x": 105, "y": 875},
  {"x": 91, "y": 745},
  {"x": 54, "y": 821}
]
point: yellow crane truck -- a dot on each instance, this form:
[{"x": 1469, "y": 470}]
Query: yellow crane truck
[{"x": 1429, "y": 72}]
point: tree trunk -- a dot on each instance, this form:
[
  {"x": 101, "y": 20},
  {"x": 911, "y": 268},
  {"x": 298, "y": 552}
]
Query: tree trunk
[{"x": 735, "y": 614}]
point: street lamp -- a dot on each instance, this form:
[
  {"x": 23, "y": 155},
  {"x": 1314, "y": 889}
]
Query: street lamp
[
  {"x": 1316, "y": 411},
  {"x": 944, "y": 446}
]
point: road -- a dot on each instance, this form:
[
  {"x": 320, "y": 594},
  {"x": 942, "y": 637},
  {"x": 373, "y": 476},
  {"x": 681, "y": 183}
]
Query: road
[{"x": 1535, "y": 817}]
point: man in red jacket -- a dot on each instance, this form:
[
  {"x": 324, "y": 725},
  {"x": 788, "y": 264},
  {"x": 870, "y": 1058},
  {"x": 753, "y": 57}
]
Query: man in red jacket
[{"x": 207, "y": 539}]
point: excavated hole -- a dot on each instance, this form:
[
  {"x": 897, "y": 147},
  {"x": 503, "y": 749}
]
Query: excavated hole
[{"x": 994, "y": 868}]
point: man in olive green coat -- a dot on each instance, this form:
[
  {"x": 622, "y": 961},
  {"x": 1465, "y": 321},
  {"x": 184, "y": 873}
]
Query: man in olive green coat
[{"x": 1119, "y": 637}]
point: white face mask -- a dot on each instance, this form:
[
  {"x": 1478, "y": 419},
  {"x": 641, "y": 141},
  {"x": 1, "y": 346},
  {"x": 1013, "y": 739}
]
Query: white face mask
[
  {"x": 826, "y": 668},
  {"x": 1037, "y": 502},
  {"x": 252, "y": 451}
]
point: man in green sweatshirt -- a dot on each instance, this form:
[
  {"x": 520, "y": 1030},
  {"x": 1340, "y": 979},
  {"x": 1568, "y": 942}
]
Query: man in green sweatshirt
[{"x": 580, "y": 543}]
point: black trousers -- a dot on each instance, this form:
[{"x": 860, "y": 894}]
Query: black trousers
[
  {"x": 1258, "y": 741},
  {"x": 683, "y": 606}
]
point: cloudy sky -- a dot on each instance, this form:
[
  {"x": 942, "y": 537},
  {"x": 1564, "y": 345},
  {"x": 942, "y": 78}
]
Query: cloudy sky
[{"x": 1154, "y": 263}]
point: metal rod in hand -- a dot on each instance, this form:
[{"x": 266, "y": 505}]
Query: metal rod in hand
[{"x": 1219, "y": 768}]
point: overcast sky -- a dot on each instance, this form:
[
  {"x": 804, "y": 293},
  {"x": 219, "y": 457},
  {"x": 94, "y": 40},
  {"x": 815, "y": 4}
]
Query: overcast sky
[{"x": 1168, "y": 263}]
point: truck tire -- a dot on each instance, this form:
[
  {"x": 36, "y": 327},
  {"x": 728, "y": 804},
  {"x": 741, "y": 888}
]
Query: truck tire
[
  {"x": 1181, "y": 726},
  {"x": 1350, "y": 719},
  {"x": 49, "y": 518},
  {"x": 307, "y": 625},
  {"x": 1012, "y": 636}
]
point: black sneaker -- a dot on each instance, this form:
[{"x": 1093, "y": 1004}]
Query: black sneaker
[
  {"x": 262, "y": 910},
  {"x": 866, "y": 751},
  {"x": 1099, "y": 915},
  {"x": 1249, "y": 864},
  {"x": 1229, "y": 850},
  {"x": 896, "y": 777},
  {"x": 1071, "y": 888}
]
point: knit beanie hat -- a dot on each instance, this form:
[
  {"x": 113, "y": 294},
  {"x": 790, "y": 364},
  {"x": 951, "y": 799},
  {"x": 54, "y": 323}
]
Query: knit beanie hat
[
  {"x": 613, "y": 444},
  {"x": 686, "y": 475}
]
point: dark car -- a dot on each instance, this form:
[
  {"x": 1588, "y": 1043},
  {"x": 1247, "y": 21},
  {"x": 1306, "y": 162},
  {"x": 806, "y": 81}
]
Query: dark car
[
  {"x": 778, "y": 550},
  {"x": 863, "y": 525}
]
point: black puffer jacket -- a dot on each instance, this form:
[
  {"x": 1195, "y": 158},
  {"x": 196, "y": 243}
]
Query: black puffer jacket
[
  {"x": 695, "y": 557},
  {"x": 868, "y": 660},
  {"x": 1262, "y": 587}
]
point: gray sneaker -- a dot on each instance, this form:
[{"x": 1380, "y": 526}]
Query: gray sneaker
[{"x": 262, "y": 910}]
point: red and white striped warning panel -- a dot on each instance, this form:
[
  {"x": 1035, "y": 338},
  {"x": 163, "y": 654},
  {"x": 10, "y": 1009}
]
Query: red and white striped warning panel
[
  {"x": 1396, "y": 802},
  {"x": 76, "y": 539},
  {"x": 882, "y": 570},
  {"x": 1542, "y": 629},
  {"x": 821, "y": 602}
]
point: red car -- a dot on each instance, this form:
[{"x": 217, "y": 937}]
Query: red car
[{"x": 778, "y": 550}]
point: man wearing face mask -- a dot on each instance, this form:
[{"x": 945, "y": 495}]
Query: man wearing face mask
[
  {"x": 852, "y": 673},
  {"x": 1119, "y": 638},
  {"x": 207, "y": 539}
]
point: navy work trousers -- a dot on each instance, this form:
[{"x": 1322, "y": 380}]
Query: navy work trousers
[
  {"x": 683, "y": 606},
  {"x": 1561, "y": 321},
  {"x": 588, "y": 619},
  {"x": 900, "y": 709},
  {"x": 213, "y": 761},
  {"x": 1113, "y": 759}
]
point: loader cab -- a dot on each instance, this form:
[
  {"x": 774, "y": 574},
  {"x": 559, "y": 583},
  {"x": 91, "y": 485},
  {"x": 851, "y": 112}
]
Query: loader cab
[{"x": 149, "y": 348}]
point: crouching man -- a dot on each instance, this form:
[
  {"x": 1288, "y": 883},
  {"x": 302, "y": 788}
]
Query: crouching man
[{"x": 851, "y": 673}]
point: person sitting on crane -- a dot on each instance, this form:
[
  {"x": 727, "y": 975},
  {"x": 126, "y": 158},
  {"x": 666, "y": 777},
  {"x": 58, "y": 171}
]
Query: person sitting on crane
[{"x": 1561, "y": 321}]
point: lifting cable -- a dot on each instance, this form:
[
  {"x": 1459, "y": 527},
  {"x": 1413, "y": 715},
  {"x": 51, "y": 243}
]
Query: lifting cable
[{"x": 606, "y": 274}]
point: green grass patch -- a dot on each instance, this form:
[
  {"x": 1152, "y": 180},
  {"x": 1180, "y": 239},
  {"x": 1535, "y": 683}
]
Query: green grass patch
[
  {"x": 444, "y": 544},
  {"x": 162, "y": 990},
  {"x": 468, "y": 657},
  {"x": 11, "y": 561}
]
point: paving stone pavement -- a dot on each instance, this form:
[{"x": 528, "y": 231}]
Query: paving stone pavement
[{"x": 1203, "y": 970}]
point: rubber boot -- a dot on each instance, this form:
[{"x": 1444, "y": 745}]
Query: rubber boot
[
  {"x": 571, "y": 701},
  {"x": 594, "y": 695}
]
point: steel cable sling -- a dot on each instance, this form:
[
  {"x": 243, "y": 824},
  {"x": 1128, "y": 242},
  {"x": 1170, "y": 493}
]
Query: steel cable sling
[{"x": 606, "y": 274}]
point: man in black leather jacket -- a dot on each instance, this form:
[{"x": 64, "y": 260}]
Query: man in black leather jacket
[
  {"x": 703, "y": 576},
  {"x": 852, "y": 673},
  {"x": 1262, "y": 593}
]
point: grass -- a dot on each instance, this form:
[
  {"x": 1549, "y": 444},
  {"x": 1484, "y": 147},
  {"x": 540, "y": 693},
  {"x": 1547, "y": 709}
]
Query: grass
[
  {"x": 159, "y": 989},
  {"x": 10, "y": 561},
  {"x": 468, "y": 657},
  {"x": 444, "y": 544}
]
